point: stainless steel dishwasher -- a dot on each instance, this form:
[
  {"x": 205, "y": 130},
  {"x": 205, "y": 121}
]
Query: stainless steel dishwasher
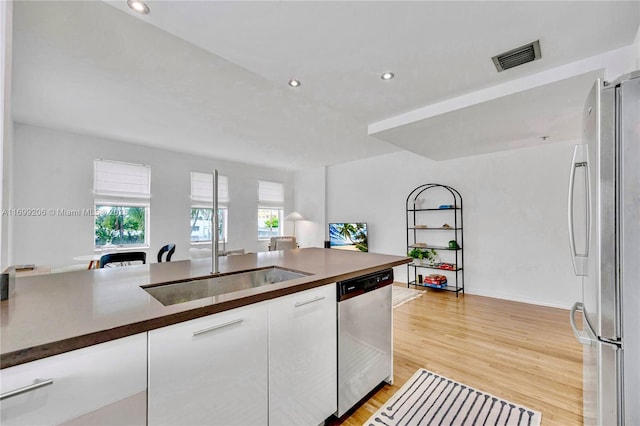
[{"x": 364, "y": 336}]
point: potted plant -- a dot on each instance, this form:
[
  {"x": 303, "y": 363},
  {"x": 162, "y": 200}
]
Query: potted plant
[
  {"x": 430, "y": 255},
  {"x": 420, "y": 256},
  {"x": 416, "y": 254}
]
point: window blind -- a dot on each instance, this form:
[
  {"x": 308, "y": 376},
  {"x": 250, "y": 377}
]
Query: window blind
[
  {"x": 270, "y": 194},
  {"x": 115, "y": 179},
  {"x": 202, "y": 188}
]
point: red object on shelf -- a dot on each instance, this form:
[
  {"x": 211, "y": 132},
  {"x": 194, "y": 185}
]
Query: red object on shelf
[
  {"x": 449, "y": 266},
  {"x": 435, "y": 279}
]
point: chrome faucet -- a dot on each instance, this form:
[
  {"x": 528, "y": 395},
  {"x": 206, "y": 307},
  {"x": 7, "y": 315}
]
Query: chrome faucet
[{"x": 214, "y": 226}]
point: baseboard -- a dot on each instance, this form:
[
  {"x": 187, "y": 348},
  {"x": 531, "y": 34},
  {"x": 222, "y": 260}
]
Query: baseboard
[
  {"x": 498, "y": 295},
  {"x": 510, "y": 297}
]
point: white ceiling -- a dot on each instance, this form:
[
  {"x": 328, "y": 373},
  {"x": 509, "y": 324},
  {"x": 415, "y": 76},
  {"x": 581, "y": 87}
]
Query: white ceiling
[
  {"x": 509, "y": 122},
  {"x": 210, "y": 77}
]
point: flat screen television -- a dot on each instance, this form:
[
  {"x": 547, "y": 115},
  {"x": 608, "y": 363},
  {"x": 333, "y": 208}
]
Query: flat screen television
[{"x": 348, "y": 236}]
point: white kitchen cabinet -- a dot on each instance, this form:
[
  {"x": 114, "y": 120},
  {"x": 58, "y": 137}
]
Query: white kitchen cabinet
[
  {"x": 210, "y": 370},
  {"x": 104, "y": 384},
  {"x": 303, "y": 357}
]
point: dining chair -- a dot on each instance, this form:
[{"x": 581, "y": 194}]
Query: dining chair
[
  {"x": 285, "y": 245},
  {"x": 282, "y": 243},
  {"x": 169, "y": 249},
  {"x": 131, "y": 256}
]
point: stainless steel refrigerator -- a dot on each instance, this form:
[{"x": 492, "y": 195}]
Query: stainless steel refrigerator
[{"x": 604, "y": 231}]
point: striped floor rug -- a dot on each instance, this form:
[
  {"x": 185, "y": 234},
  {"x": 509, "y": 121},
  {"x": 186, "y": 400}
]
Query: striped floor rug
[
  {"x": 402, "y": 295},
  {"x": 430, "y": 399}
]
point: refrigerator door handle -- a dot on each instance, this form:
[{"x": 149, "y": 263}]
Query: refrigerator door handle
[
  {"x": 579, "y": 162},
  {"x": 584, "y": 337}
]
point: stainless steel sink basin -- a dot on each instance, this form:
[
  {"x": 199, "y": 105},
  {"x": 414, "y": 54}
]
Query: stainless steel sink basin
[{"x": 174, "y": 292}]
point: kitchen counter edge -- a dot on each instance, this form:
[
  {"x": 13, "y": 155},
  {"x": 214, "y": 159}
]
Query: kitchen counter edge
[{"x": 71, "y": 343}]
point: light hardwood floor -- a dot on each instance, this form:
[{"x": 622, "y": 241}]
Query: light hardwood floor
[{"x": 521, "y": 352}]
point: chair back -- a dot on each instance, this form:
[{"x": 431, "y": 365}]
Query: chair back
[
  {"x": 283, "y": 243},
  {"x": 169, "y": 249},
  {"x": 131, "y": 256}
]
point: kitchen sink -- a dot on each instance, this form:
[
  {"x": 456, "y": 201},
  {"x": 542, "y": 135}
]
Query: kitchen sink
[{"x": 173, "y": 292}]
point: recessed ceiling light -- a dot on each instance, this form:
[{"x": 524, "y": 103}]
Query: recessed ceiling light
[
  {"x": 294, "y": 83},
  {"x": 138, "y": 6},
  {"x": 387, "y": 76}
]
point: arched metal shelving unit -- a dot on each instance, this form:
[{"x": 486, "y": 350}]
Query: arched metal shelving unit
[{"x": 424, "y": 213}]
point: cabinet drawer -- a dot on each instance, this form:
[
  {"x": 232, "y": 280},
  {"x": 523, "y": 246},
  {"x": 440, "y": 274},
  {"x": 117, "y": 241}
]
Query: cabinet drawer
[{"x": 82, "y": 382}]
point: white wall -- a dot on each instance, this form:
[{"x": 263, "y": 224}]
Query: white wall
[
  {"x": 309, "y": 198},
  {"x": 636, "y": 51},
  {"x": 54, "y": 169},
  {"x": 6, "y": 125},
  {"x": 515, "y": 236},
  {"x": 516, "y": 242}
]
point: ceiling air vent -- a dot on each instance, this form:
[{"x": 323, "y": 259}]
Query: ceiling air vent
[{"x": 518, "y": 56}]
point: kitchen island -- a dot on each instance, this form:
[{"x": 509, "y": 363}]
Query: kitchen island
[
  {"x": 97, "y": 348},
  {"x": 53, "y": 314}
]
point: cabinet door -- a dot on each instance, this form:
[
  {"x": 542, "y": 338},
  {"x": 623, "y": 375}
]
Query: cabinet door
[
  {"x": 211, "y": 370},
  {"x": 99, "y": 385},
  {"x": 303, "y": 357}
]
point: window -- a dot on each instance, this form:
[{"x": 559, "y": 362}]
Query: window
[
  {"x": 120, "y": 225},
  {"x": 201, "y": 224},
  {"x": 270, "y": 209},
  {"x": 269, "y": 223},
  {"x": 202, "y": 206},
  {"x": 122, "y": 192}
]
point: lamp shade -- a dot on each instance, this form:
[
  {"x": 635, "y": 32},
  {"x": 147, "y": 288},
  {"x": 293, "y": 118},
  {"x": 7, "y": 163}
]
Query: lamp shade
[{"x": 293, "y": 216}]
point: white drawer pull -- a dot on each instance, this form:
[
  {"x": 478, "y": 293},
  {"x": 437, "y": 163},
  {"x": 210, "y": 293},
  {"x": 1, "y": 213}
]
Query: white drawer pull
[
  {"x": 28, "y": 388},
  {"x": 217, "y": 327},
  {"x": 315, "y": 299}
]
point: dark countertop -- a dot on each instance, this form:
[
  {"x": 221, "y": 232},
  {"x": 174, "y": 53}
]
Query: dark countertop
[{"x": 52, "y": 314}]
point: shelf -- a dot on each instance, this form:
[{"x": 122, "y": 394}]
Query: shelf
[
  {"x": 438, "y": 229},
  {"x": 428, "y": 199},
  {"x": 431, "y": 210},
  {"x": 435, "y": 247},
  {"x": 446, "y": 288},
  {"x": 434, "y": 267}
]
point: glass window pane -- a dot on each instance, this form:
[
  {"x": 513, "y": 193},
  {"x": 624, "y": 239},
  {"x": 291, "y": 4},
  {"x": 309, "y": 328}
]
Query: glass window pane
[
  {"x": 201, "y": 224},
  {"x": 120, "y": 225},
  {"x": 269, "y": 221}
]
